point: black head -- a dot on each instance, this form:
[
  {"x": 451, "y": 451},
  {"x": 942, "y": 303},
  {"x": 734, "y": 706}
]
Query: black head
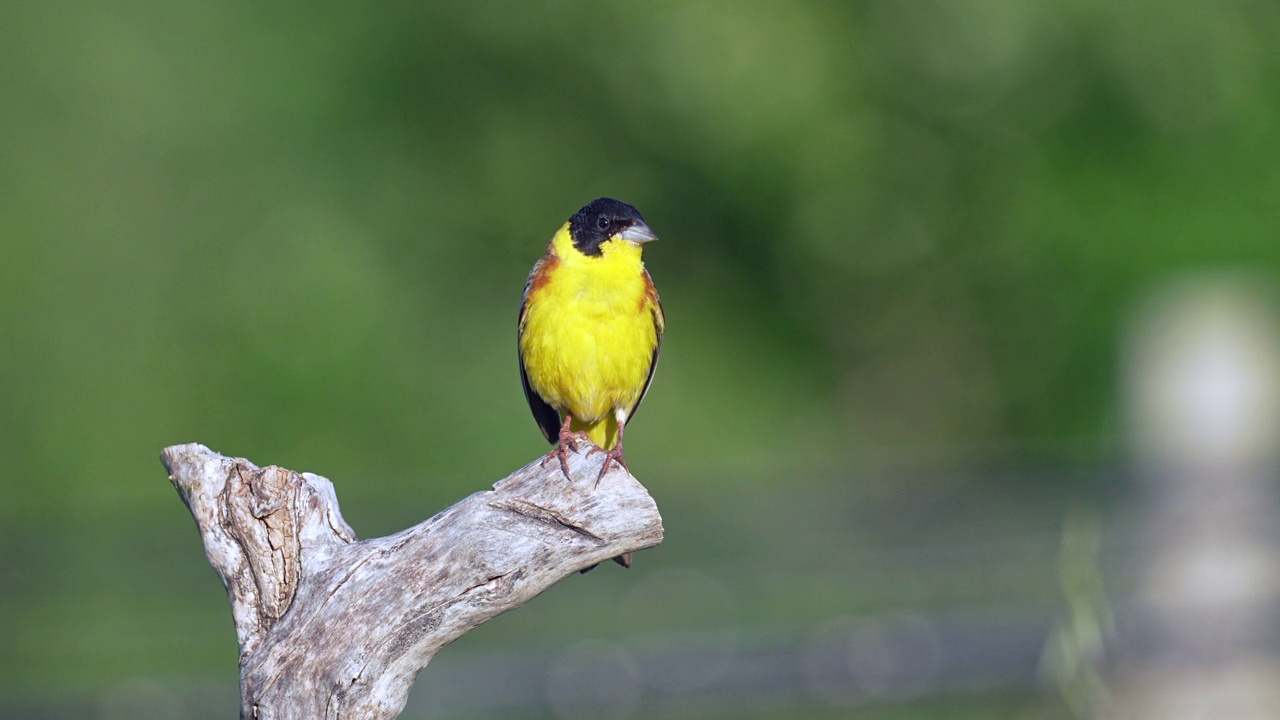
[{"x": 600, "y": 220}]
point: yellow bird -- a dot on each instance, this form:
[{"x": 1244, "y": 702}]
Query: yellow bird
[{"x": 590, "y": 330}]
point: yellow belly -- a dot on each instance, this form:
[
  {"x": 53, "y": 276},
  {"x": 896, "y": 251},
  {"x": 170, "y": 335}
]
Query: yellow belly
[{"x": 588, "y": 342}]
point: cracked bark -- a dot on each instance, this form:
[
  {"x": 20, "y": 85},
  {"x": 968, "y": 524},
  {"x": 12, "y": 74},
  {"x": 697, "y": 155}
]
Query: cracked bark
[{"x": 334, "y": 627}]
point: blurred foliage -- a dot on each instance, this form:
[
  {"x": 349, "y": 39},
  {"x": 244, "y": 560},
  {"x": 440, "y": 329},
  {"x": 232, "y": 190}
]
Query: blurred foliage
[{"x": 298, "y": 232}]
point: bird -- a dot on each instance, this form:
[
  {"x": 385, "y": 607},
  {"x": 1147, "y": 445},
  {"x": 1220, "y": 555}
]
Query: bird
[{"x": 590, "y": 331}]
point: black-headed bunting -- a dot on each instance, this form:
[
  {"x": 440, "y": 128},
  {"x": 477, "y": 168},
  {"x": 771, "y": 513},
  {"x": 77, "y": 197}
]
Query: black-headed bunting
[{"x": 590, "y": 330}]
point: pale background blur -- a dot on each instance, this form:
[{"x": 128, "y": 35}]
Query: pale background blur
[{"x": 969, "y": 403}]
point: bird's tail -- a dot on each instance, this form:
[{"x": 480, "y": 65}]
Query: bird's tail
[{"x": 604, "y": 433}]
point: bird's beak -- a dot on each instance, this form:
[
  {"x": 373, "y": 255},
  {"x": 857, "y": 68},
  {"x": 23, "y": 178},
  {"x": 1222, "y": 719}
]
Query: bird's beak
[{"x": 638, "y": 234}]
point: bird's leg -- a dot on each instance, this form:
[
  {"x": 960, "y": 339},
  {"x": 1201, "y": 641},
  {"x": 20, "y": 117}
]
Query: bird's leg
[
  {"x": 613, "y": 454},
  {"x": 568, "y": 439}
]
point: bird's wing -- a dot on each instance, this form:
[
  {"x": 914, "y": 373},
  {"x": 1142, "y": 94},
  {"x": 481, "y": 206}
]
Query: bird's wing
[
  {"x": 659, "y": 326},
  {"x": 545, "y": 415}
]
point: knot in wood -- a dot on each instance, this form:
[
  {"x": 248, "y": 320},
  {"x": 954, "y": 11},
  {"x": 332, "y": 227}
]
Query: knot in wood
[{"x": 259, "y": 510}]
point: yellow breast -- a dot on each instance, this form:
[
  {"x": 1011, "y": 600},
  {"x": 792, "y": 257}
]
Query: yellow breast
[{"x": 589, "y": 334}]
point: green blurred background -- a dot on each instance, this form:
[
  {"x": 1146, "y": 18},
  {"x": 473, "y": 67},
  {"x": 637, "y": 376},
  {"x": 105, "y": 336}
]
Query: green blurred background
[{"x": 899, "y": 244}]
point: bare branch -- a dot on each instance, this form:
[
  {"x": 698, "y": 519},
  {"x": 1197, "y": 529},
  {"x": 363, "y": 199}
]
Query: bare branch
[{"x": 333, "y": 627}]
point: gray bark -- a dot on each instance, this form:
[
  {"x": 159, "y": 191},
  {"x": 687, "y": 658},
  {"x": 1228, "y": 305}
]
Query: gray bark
[{"x": 334, "y": 627}]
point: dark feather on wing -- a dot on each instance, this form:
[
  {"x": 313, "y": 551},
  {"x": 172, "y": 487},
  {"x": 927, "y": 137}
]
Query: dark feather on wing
[
  {"x": 546, "y": 416},
  {"x": 659, "y": 325}
]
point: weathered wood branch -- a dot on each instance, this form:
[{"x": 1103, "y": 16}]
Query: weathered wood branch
[{"x": 334, "y": 627}]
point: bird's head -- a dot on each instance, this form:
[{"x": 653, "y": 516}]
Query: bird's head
[{"x": 605, "y": 220}]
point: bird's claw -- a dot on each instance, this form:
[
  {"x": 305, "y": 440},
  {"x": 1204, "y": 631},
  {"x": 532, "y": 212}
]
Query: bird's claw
[
  {"x": 568, "y": 441},
  {"x": 575, "y": 437},
  {"x": 613, "y": 455},
  {"x": 559, "y": 452}
]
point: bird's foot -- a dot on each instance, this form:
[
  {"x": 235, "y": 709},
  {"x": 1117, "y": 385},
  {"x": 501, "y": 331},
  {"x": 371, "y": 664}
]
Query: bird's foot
[
  {"x": 560, "y": 452},
  {"x": 575, "y": 437},
  {"x": 568, "y": 441},
  {"x": 613, "y": 455}
]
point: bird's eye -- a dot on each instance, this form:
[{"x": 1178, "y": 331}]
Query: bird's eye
[{"x": 603, "y": 223}]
